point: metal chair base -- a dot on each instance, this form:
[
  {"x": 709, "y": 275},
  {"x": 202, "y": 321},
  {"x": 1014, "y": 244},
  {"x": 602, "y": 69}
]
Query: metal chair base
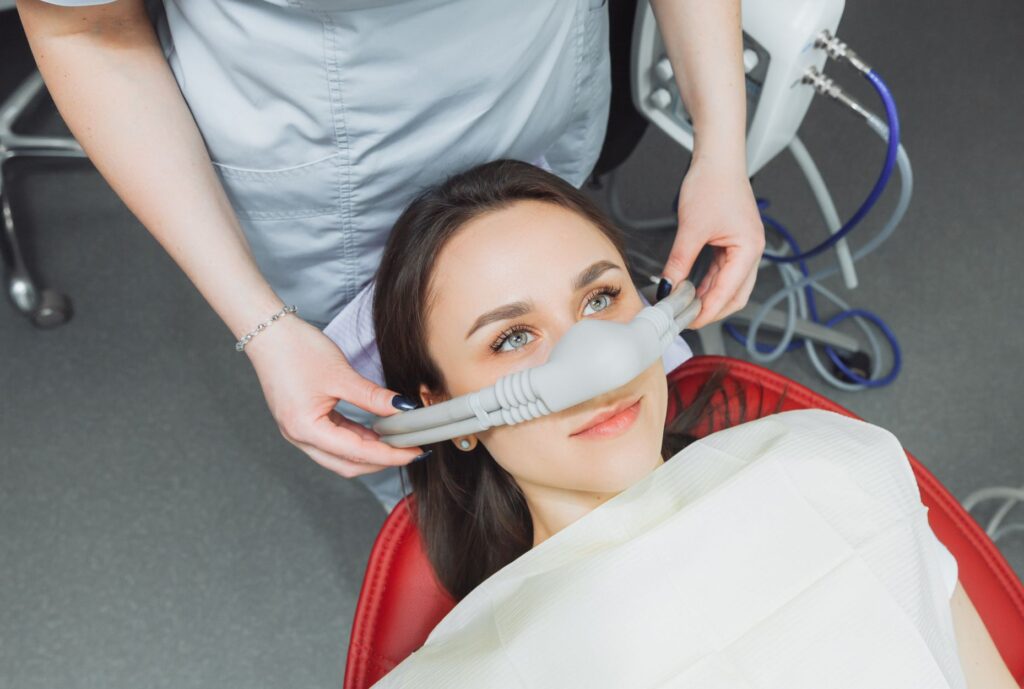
[{"x": 44, "y": 306}]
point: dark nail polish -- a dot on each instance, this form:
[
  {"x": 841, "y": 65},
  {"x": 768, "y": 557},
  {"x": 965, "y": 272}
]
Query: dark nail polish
[
  {"x": 664, "y": 287},
  {"x": 422, "y": 456},
  {"x": 404, "y": 403}
]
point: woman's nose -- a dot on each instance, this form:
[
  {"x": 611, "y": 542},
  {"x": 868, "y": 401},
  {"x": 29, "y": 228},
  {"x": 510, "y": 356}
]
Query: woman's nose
[{"x": 559, "y": 328}]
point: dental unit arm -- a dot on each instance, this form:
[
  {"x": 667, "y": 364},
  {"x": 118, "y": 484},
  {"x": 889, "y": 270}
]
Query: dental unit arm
[{"x": 592, "y": 358}]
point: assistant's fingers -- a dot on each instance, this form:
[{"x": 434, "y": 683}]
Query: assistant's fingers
[
  {"x": 342, "y": 467},
  {"x": 365, "y": 394},
  {"x": 743, "y": 296},
  {"x": 346, "y": 439},
  {"x": 338, "y": 419},
  {"x": 685, "y": 248},
  {"x": 708, "y": 281},
  {"x": 735, "y": 267}
]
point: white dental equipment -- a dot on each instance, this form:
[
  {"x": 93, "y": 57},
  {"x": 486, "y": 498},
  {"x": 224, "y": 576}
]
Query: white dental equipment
[
  {"x": 778, "y": 48},
  {"x": 786, "y": 44},
  {"x": 592, "y": 358}
]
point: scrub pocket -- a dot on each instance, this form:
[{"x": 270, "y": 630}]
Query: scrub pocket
[
  {"x": 301, "y": 191},
  {"x": 293, "y": 221}
]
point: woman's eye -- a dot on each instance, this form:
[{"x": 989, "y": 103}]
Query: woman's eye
[
  {"x": 517, "y": 340},
  {"x": 599, "y": 302},
  {"x": 518, "y": 336}
]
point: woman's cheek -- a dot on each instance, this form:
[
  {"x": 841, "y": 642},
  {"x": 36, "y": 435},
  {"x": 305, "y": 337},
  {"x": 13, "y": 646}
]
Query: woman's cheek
[
  {"x": 526, "y": 450},
  {"x": 658, "y": 402}
]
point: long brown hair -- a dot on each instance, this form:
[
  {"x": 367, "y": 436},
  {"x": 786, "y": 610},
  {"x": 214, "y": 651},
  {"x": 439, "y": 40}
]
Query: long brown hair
[{"x": 472, "y": 516}]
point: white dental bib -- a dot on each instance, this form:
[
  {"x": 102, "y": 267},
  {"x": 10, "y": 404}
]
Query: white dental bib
[{"x": 789, "y": 552}]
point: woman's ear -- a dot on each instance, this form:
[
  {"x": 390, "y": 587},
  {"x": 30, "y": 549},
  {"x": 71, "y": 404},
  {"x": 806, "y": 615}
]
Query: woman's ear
[
  {"x": 428, "y": 397},
  {"x": 464, "y": 443}
]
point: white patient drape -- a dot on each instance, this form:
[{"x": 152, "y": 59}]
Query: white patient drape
[{"x": 788, "y": 552}]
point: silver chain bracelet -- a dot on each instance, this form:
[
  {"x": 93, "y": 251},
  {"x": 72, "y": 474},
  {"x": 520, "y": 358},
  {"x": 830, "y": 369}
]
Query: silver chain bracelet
[{"x": 240, "y": 345}]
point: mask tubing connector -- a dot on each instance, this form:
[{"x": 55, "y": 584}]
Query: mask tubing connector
[{"x": 478, "y": 411}]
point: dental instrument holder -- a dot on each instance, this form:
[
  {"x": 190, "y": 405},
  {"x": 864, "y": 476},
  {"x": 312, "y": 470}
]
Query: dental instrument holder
[{"x": 592, "y": 358}]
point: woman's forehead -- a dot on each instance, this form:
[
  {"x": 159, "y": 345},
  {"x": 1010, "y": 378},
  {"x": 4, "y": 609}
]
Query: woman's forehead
[
  {"x": 525, "y": 253},
  {"x": 528, "y": 243}
]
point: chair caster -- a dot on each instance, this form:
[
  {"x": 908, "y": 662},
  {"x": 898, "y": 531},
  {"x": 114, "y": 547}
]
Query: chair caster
[
  {"x": 46, "y": 307},
  {"x": 53, "y": 309},
  {"x": 858, "y": 362}
]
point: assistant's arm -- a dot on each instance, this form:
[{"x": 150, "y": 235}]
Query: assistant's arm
[
  {"x": 704, "y": 44},
  {"x": 716, "y": 204},
  {"x": 108, "y": 76}
]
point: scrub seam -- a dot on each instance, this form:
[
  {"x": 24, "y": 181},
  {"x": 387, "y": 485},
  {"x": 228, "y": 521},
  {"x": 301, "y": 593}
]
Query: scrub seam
[
  {"x": 582, "y": 18},
  {"x": 342, "y": 142},
  {"x": 301, "y": 168},
  {"x": 597, "y": 56}
]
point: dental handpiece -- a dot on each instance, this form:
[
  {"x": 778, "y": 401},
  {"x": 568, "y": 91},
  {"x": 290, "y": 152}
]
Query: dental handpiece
[{"x": 592, "y": 358}]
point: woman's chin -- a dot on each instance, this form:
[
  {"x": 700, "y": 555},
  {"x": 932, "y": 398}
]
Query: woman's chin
[{"x": 615, "y": 466}]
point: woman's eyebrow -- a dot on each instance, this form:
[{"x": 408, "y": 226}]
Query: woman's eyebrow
[
  {"x": 592, "y": 273},
  {"x": 518, "y": 309}
]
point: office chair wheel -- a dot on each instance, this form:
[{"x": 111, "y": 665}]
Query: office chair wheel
[{"x": 53, "y": 309}]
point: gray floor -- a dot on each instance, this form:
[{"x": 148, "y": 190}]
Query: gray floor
[{"x": 156, "y": 530}]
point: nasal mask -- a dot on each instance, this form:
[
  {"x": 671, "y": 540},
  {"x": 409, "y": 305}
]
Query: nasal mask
[{"x": 594, "y": 357}]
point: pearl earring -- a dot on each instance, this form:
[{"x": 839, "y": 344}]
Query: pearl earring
[{"x": 464, "y": 444}]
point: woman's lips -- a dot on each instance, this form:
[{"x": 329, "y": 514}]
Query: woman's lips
[{"x": 611, "y": 423}]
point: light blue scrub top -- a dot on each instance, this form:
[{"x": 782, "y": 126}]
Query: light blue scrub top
[{"x": 324, "y": 118}]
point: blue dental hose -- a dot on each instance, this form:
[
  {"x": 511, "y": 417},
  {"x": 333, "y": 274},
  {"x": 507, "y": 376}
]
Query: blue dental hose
[
  {"x": 812, "y": 314},
  {"x": 800, "y": 286},
  {"x": 893, "y": 123}
]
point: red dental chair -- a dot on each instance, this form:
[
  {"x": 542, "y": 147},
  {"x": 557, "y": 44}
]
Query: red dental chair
[{"x": 401, "y": 600}]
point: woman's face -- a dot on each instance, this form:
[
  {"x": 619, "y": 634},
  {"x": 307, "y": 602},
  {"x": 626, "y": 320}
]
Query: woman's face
[{"x": 504, "y": 290}]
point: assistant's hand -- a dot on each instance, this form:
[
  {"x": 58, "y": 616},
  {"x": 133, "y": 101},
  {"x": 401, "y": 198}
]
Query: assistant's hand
[
  {"x": 717, "y": 207},
  {"x": 303, "y": 375}
]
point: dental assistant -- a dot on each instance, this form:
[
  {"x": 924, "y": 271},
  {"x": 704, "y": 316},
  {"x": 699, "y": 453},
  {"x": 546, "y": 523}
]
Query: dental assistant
[{"x": 269, "y": 145}]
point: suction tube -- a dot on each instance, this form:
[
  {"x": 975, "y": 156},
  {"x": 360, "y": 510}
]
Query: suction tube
[{"x": 592, "y": 358}]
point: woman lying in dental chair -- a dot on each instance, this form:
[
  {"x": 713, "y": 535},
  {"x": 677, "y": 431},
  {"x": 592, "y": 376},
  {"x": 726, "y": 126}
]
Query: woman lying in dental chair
[{"x": 593, "y": 548}]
